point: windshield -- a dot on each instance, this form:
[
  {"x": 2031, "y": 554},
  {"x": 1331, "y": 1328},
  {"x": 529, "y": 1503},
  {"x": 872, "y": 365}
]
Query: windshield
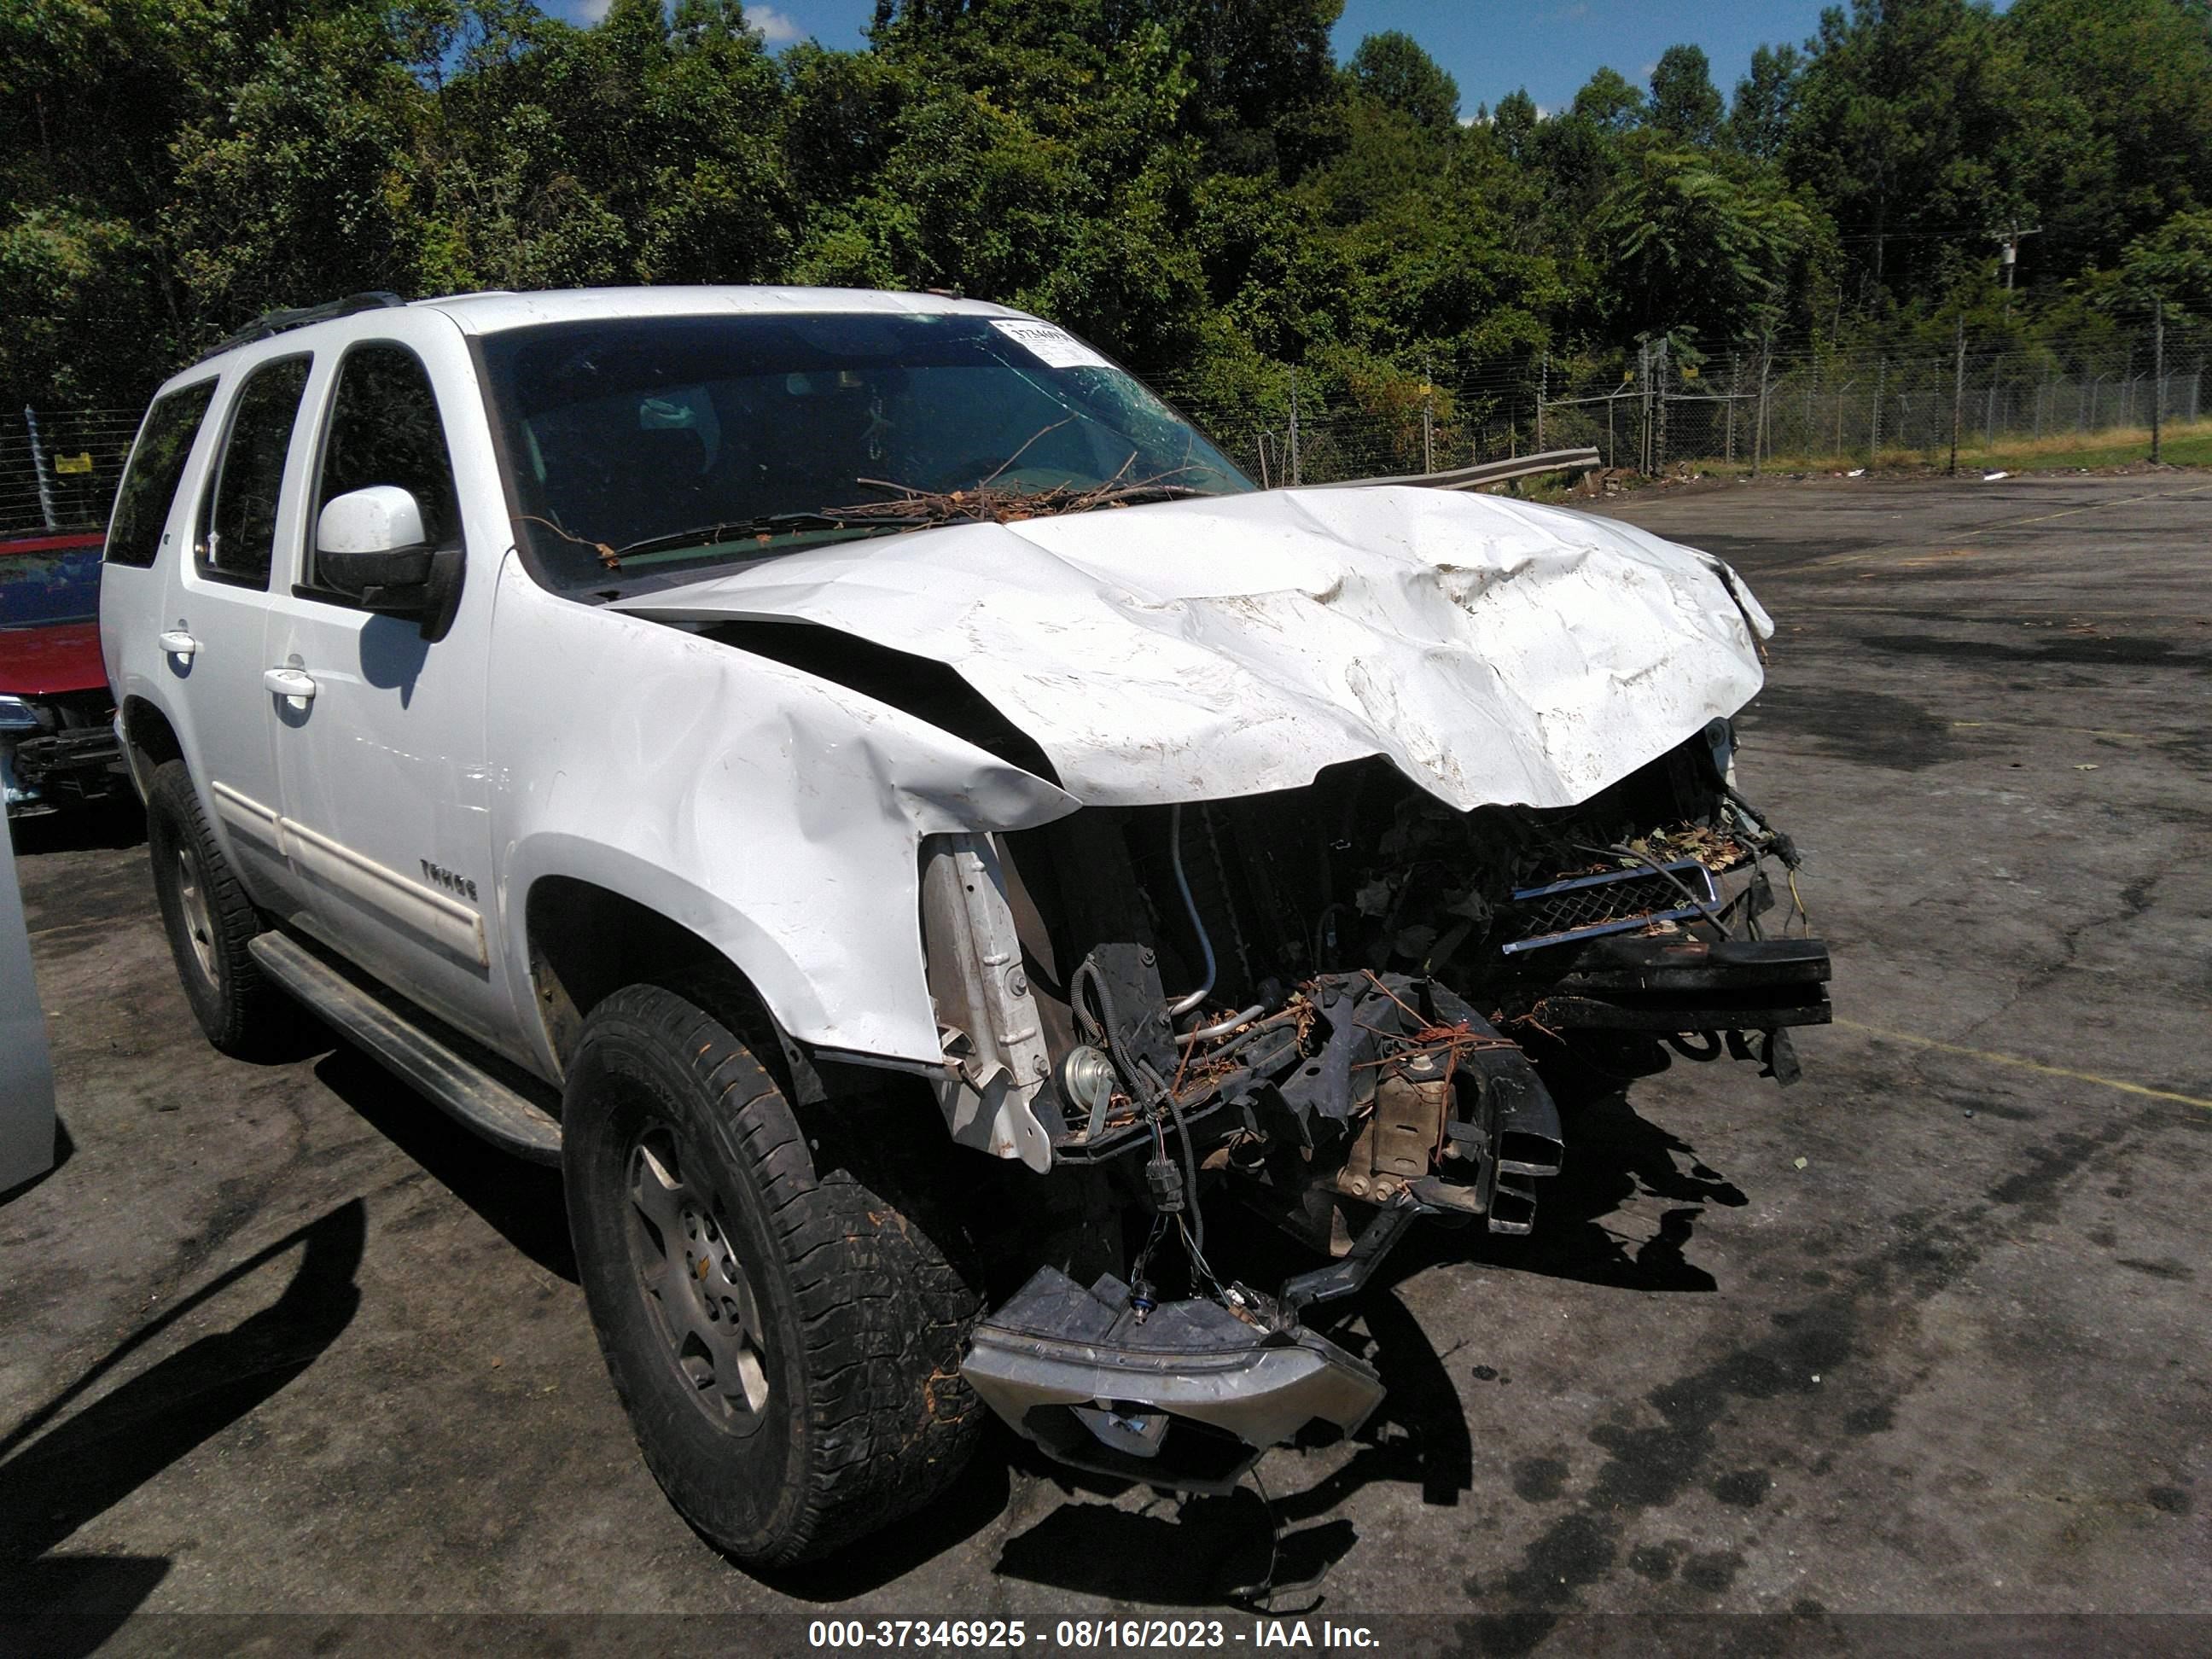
[
  {"x": 42, "y": 588},
  {"x": 649, "y": 445}
]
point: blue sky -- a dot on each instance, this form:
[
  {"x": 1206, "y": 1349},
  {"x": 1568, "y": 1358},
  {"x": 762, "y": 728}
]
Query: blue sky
[
  {"x": 1549, "y": 46},
  {"x": 1552, "y": 46}
]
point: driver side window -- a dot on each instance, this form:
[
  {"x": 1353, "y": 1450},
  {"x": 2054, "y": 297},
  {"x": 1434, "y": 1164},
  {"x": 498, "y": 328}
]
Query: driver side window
[{"x": 384, "y": 429}]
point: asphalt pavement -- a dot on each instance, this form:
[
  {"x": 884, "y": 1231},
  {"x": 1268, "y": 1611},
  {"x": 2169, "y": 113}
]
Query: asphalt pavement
[{"x": 1923, "y": 1334}]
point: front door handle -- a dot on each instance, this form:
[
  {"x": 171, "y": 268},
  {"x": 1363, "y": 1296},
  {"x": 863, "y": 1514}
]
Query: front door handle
[
  {"x": 178, "y": 643},
  {"x": 288, "y": 682}
]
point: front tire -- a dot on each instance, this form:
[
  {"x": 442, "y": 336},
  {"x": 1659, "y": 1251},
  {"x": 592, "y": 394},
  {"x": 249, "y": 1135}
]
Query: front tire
[
  {"x": 211, "y": 923},
  {"x": 785, "y": 1335}
]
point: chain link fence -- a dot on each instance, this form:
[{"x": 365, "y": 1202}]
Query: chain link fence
[
  {"x": 1651, "y": 408},
  {"x": 58, "y": 468},
  {"x": 1752, "y": 407},
  {"x": 1308, "y": 430}
]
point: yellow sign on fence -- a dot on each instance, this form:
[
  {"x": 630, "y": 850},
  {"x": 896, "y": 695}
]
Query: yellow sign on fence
[{"x": 81, "y": 462}]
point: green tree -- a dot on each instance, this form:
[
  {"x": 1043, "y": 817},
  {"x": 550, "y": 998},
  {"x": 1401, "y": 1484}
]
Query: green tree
[
  {"x": 1906, "y": 114},
  {"x": 1385, "y": 154},
  {"x": 1193, "y": 182},
  {"x": 1514, "y": 121},
  {"x": 1393, "y": 70},
  {"x": 1580, "y": 159},
  {"x": 1608, "y": 101},
  {"x": 96, "y": 95},
  {"x": 720, "y": 208},
  {"x": 640, "y": 150},
  {"x": 840, "y": 116},
  {"x": 1765, "y": 99},
  {"x": 298, "y": 184},
  {"x": 1683, "y": 100},
  {"x": 2120, "y": 92},
  {"x": 2173, "y": 263},
  {"x": 1693, "y": 248}
]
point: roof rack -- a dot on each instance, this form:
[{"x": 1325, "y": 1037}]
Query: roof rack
[{"x": 271, "y": 324}]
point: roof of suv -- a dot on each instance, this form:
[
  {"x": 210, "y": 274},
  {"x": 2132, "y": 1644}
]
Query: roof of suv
[
  {"x": 490, "y": 312},
  {"x": 487, "y": 314}
]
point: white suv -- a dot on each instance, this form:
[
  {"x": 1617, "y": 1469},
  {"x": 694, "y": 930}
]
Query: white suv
[{"x": 937, "y": 857}]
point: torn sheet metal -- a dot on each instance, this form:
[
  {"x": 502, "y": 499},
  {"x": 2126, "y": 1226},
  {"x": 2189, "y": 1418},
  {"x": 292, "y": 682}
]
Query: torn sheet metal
[{"x": 1496, "y": 652}]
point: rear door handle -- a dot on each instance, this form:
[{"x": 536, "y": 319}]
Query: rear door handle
[
  {"x": 288, "y": 682},
  {"x": 178, "y": 643}
]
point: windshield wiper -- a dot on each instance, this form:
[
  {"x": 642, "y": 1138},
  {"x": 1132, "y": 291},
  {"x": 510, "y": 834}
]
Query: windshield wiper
[
  {"x": 762, "y": 524},
  {"x": 761, "y": 527},
  {"x": 916, "y": 510},
  {"x": 992, "y": 503}
]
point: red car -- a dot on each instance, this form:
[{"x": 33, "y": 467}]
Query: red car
[{"x": 58, "y": 744}]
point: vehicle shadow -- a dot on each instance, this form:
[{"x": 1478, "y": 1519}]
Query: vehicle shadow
[
  {"x": 54, "y": 1480},
  {"x": 64, "y": 1148},
  {"x": 520, "y": 1201},
  {"x": 1613, "y": 1154},
  {"x": 977, "y": 1496},
  {"x": 1175, "y": 1551},
  {"x": 106, "y": 826}
]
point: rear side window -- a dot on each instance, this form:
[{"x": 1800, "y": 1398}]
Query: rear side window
[
  {"x": 142, "y": 502},
  {"x": 238, "y": 521},
  {"x": 384, "y": 429}
]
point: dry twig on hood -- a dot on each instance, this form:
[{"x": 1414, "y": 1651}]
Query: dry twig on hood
[{"x": 990, "y": 502}]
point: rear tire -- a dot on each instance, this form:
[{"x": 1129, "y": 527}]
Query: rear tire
[
  {"x": 785, "y": 1335},
  {"x": 211, "y": 925}
]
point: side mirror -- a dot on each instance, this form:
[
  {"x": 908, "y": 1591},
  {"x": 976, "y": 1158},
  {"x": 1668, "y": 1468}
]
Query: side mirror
[{"x": 370, "y": 545}]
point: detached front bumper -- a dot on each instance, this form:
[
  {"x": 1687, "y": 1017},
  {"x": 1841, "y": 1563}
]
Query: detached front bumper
[{"x": 1187, "y": 1397}]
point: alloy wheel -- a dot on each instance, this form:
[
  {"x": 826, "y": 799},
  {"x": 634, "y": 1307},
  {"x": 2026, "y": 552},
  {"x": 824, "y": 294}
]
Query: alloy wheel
[{"x": 697, "y": 1290}]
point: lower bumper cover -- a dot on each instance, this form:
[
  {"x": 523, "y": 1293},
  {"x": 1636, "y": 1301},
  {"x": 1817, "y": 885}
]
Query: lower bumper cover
[{"x": 1187, "y": 1398}]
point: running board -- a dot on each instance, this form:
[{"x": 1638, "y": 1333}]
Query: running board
[{"x": 456, "y": 1084}]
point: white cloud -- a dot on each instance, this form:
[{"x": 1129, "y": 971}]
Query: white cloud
[
  {"x": 1489, "y": 117},
  {"x": 775, "y": 29}
]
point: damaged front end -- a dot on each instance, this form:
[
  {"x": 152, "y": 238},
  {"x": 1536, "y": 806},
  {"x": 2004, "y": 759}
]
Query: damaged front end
[
  {"x": 1370, "y": 825},
  {"x": 1341, "y": 1010}
]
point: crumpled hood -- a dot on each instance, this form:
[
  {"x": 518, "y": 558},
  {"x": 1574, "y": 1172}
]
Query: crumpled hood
[{"x": 1495, "y": 650}]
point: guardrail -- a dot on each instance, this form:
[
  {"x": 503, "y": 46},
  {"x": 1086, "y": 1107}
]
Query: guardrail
[{"x": 1484, "y": 473}]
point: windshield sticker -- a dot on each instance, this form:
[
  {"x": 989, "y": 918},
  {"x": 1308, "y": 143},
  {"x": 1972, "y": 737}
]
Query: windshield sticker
[{"x": 1049, "y": 343}]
